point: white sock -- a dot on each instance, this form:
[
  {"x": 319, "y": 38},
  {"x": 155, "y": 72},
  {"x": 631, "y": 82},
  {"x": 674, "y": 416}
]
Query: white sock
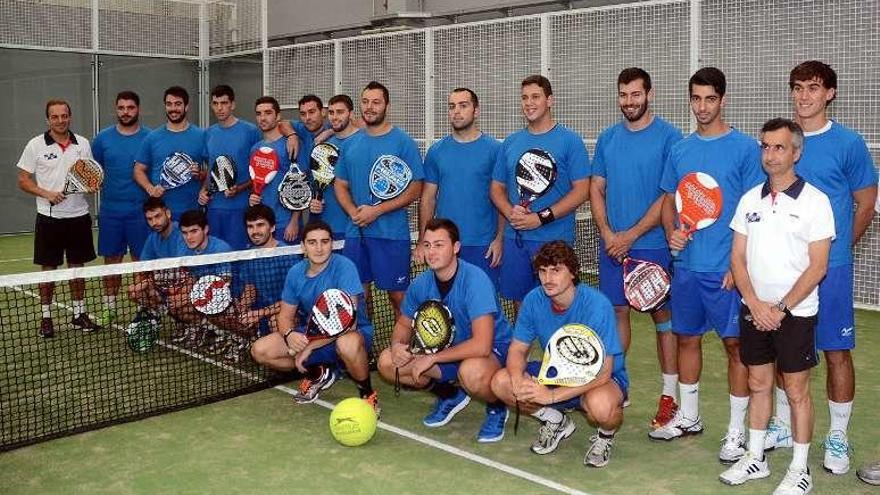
[
  {"x": 840, "y": 413},
  {"x": 548, "y": 414},
  {"x": 799, "y": 458},
  {"x": 756, "y": 442},
  {"x": 690, "y": 399},
  {"x": 47, "y": 310},
  {"x": 79, "y": 307},
  {"x": 110, "y": 301},
  {"x": 783, "y": 410},
  {"x": 606, "y": 433},
  {"x": 669, "y": 382},
  {"x": 739, "y": 406}
]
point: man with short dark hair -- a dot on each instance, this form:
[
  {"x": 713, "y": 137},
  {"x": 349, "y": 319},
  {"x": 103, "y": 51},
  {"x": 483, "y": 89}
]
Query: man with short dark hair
[
  {"x": 63, "y": 226},
  {"x": 163, "y": 241}
]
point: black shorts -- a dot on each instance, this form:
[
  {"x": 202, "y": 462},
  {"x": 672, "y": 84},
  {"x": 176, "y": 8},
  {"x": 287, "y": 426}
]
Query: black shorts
[
  {"x": 56, "y": 237},
  {"x": 792, "y": 347}
]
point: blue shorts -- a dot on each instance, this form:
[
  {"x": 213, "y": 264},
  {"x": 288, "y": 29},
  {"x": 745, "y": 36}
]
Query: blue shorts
[
  {"x": 836, "y": 329},
  {"x": 475, "y": 256},
  {"x": 328, "y": 356},
  {"x": 123, "y": 232},
  {"x": 383, "y": 261},
  {"x": 611, "y": 272},
  {"x": 517, "y": 275},
  {"x": 699, "y": 304},
  {"x": 449, "y": 371},
  {"x": 228, "y": 225},
  {"x": 622, "y": 382}
]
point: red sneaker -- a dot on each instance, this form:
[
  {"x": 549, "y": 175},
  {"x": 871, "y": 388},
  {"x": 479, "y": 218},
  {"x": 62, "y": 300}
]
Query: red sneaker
[{"x": 666, "y": 410}]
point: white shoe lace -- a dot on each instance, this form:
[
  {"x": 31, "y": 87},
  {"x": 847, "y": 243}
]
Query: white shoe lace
[{"x": 837, "y": 444}]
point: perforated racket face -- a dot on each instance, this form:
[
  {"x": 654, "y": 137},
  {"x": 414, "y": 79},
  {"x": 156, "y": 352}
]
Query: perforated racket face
[
  {"x": 223, "y": 173},
  {"x": 645, "y": 284},
  {"x": 535, "y": 173},
  {"x": 84, "y": 176},
  {"x": 389, "y": 177},
  {"x": 322, "y": 162},
  {"x": 262, "y": 167},
  {"x": 294, "y": 192},
  {"x": 333, "y": 313},
  {"x": 176, "y": 170},
  {"x": 698, "y": 200},
  {"x": 433, "y": 327},
  {"x": 143, "y": 332},
  {"x": 573, "y": 357},
  {"x": 210, "y": 295}
]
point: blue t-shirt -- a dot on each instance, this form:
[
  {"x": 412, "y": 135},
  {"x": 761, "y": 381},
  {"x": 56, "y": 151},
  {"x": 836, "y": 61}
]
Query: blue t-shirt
[
  {"x": 538, "y": 320},
  {"x": 733, "y": 159},
  {"x": 266, "y": 275},
  {"x": 572, "y": 163},
  {"x": 213, "y": 246},
  {"x": 161, "y": 144},
  {"x": 306, "y": 143},
  {"x": 333, "y": 214},
  {"x": 302, "y": 290},
  {"x": 115, "y": 151},
  {"x": 235, "y": 142},
  {"x": 463, "y": 174},
  {"x": 270, "y": 191},
  {"x": 838, "y": 163},
  {"x": 632, "y": 164},
  {"x": 157, "y": 247},
  {"x": 471, "y": 296},
  {"x": 354, "y": 167}
]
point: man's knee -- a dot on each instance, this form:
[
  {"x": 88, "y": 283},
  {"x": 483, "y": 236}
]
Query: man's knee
[
  {"x": 385, "y": 365},
  {"x": 349, "y": 344},
  {"x": 500, "y": 383},
  {"x": 601, "y": 404},
  {"x": 475, "y": 374}
]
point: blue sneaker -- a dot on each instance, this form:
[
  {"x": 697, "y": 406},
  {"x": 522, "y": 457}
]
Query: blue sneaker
[
  {"x": 492, "y": 429},
  {"x": 446, "y": 409}
]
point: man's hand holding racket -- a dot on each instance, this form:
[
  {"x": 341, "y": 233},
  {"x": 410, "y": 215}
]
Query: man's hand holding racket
[
  {"x": 296, "y": 342},
  {"x": 618, "y": 244},
  {"x": 523, "y": 219},
  {"x": 529, "y": 390},
  {"x": 401, "y": 354}
]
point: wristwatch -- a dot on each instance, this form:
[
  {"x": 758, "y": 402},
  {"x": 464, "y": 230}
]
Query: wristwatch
[
  {"x": 781, "y": 306},
  {"x": 546, "y": 216}
]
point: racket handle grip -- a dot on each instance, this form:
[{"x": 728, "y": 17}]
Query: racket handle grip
[{"x": 674, "y": 252}]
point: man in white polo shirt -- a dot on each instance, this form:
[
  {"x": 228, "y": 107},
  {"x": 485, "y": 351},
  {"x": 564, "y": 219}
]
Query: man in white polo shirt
[
  {"x": 63, "y": 225},
  {"x": 782, "y": 237}
]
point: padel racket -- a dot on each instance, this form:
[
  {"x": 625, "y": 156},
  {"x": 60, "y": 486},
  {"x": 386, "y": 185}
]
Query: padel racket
[
  {"x": 294, "y": 192},
  {"x": 333, "y": 314},
  {"x": 84, "y": 176},
  {"x": 169, "y": 278},
  {"x": 143, "y": 331},
  {"x": 645, "y": 284},
  {"x": 389, "y": 177},
  {"x": 536, "y": 173},
  {"x": 263, "y": 166},
  {"x": 433, "y": 330},
  {"x": 322, "y": 162},
  {"x": 699, "y": 201},
  {"x": 222, "y": 175},
  {"x": 210, "y": 295},
  {"x": 176, "y": 170}
]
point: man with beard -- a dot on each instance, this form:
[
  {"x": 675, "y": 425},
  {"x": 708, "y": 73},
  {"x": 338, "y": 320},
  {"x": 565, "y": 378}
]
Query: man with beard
[
  {"x": 163, "y": 242},
  {"x": 308, "y": 127},
  {"x": 268, "y": 113},
  {"x": 176, "y": 137},
  {"x": 121, "y": 225},
  {"x": 626, "y": 201},
  {"x": 378, "y": 240},
  {"x": 551, "y": 216},
  {"x": 63, "y": 227},
  {"x": 344, "y": 133},
  {"x": 703, "y": 293},
  {"x": 229, "y": 139},
  {"x": 458, "y": 173}
]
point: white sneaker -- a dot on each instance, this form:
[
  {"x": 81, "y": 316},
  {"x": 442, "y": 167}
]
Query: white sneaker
[
  {"x": 795, "y": 483},
  {"x": 550, "y": 434},
  {"x": 599, "y": 453},
  {"x": 746, "y": 468},
  {"x": 733, "y": 446},
  {"x": 678, "y": 427},
  {"x": 778, "y": 435},
  {"x": 836, "y": 452}
]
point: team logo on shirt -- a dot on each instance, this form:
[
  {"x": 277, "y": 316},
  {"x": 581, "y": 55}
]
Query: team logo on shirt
[
  {"x": 753, "y": 217},
  {"x": 50, "y": 156}
]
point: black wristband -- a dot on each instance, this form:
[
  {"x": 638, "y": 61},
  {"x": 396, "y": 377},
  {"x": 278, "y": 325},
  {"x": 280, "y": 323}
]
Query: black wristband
[{"x": 546, "y": 216}]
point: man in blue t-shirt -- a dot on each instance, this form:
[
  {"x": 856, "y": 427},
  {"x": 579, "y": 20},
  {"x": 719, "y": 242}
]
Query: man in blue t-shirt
[
  {"x": 458, "y": 173},
  {"x": 345, "y": 132},
  {"x": 480, "y": 341},
  {"x": 561, "y": 300},
  {"x": 378, "y": 240},
  {"x": 626, "y": 200},
  {"x": 273, "y": 146},
  {"x": 229, "y": 139},
  {"x": 163, "y": 241},
  {"x": 177, "y": 140},
  {"x": 551, "y": 215},
  {"x": 121, "y": 225},
  {"x": 835, "y": 160},
  {"x": 703, "y": 296},
  {"x": 289, "y": 348}
]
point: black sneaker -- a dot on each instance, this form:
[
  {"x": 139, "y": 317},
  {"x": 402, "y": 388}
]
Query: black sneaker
[
  {"x": 47, "y": 329},
  {"x": 84, "y": 323}
]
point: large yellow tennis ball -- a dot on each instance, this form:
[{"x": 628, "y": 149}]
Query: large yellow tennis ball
[{"x": 353, "y": 422}]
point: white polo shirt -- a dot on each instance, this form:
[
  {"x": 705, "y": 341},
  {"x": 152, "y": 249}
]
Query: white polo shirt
[
  {"x": 49, "y": 163},
  {"x": 779, "y": 228}
]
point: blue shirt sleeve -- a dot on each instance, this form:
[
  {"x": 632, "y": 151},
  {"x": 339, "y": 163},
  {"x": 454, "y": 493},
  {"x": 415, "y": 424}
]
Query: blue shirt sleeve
[
  {"x": 860, "y": 171},
  {"x": 526, "y": 329},
  {"x": 578, "y": 158},
  {"x": 480, "y": 296},
  {"x": 349, "y": 281},
  {"x": 753, "y": 171},
  {"x": 606, "y": 326},
  {"x": 499, "y": 171},
  {"x": 432, "y": 174},
  {"x": 290, "y": 294},
  {"x": 411, "y": 299},
  {"x": 599, "y": 167},
  {"x": 413, "y": 157},
  {"x": 98, "y": 148},
  {"x": 145, "y": 154},
  {"x": 669, "y": 180}
]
